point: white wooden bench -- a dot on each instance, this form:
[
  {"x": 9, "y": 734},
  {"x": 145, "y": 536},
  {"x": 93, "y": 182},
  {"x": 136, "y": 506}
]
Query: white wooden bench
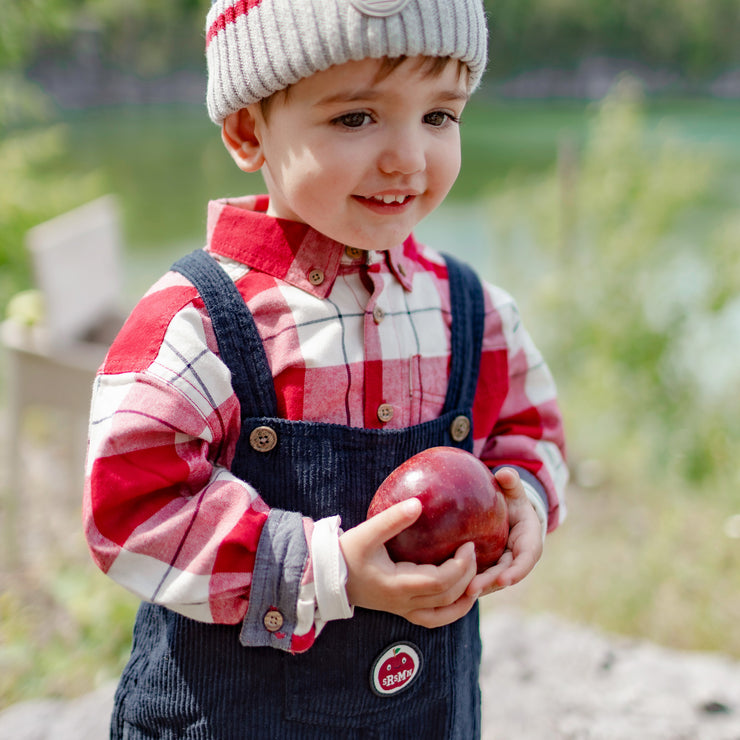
[{"x": 76, "y": 262}]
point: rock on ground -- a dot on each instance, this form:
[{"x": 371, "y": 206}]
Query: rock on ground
[
  {"x": 542, "y": 679},
  {"x": 85, "y": 718}
]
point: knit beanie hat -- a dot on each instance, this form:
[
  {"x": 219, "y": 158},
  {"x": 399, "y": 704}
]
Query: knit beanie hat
[{"x": 256, "y": 47}]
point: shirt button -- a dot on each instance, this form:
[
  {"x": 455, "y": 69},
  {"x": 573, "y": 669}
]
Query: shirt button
[
  {"x": 460, "y": 428},
  {"x": 378, "y": 314},
  {"x": 353, "y": 253},
  {"x": 316, "y": 277},
  {"x": 263, "y": 439},
  {"x": 401, "y": 269},
  {"x": 385, "y": 412},
  {"x": 273, "y": 620}
]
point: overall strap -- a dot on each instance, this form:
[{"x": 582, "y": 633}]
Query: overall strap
[
  {"x": 468, "y": 315},
  {"x": 239, "y": 342}
]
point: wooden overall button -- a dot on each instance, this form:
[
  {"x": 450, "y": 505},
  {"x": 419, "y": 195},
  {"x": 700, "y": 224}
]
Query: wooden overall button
[
  {"x": 263, "y": 439},
  {"x": 460, "y": 428},
  {"x": 353, "y": 253},
  {"x": 273, "y": 620}
]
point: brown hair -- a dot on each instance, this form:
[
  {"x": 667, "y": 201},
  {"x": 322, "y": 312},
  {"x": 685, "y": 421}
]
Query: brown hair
[{"x": 428, "y": 66}]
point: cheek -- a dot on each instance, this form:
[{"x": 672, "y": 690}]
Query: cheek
[
  {"x": 443, "y": 172},
  {"x": 309, "y": 171},
  {"x": 451, "y": 161}
]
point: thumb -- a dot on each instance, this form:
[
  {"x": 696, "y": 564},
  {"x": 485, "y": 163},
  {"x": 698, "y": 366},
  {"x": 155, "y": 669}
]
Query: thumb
[
  {"x": 508, "y": 479},
  {"x": 389, "y": 522}
]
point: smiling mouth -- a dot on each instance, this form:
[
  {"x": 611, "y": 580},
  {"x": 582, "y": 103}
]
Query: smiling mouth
[{"x": 385, "y": 200}]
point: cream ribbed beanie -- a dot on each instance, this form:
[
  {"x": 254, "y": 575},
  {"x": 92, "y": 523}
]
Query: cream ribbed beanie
[{"x": 256, "y": 47}]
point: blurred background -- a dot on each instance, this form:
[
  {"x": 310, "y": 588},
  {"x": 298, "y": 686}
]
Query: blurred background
[{"x": 600, "y": 185}]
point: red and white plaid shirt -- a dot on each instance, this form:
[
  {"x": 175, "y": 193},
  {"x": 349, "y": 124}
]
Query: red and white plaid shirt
[{"x": 345, "y": 332}]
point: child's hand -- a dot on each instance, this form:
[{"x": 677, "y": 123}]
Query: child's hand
[
  {"x": 524, "y": 547},
  {"x": 428, "y": 595}
]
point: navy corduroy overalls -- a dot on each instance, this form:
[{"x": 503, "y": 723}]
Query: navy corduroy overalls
[{"x": 195, "y": 681}]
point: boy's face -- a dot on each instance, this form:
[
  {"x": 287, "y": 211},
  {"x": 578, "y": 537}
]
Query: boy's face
[{"x": 360, "y": 159}]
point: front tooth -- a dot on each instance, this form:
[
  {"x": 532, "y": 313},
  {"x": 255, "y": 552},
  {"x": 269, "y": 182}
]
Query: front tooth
[{"x": 389, "y": 199}]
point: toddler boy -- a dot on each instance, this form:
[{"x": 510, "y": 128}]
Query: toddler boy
[{"x": 263, "y": 389}]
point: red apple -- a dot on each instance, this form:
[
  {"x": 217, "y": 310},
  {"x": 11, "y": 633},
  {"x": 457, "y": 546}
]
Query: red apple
[{"x": 461, "y": 502}]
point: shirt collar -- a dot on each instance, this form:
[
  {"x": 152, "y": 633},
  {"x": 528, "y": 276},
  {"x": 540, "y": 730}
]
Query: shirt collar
[{"x": 240, "y": 229}]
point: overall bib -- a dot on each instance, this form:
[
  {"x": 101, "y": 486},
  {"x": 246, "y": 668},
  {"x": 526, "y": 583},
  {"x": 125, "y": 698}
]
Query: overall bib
[{"x": 186, "y": 679}]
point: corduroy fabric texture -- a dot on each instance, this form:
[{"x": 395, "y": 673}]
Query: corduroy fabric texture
[
  {"x": 194, "y": 681},
  {"x": 256, "y": 47}
]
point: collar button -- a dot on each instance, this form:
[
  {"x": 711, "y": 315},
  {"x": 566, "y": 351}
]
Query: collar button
[{"x": 316, "y": 276}]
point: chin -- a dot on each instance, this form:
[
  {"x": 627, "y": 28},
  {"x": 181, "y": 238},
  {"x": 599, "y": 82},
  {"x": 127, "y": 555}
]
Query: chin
[{"x": 379, "y": 243}]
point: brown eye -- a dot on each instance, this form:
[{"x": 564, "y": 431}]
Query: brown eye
[
  {"x": 353, "y": 120},
  {"x": 439, "y": 118}
]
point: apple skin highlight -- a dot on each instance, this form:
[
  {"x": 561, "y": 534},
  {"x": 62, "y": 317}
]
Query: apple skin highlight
[{"x": 461, "y": 502}]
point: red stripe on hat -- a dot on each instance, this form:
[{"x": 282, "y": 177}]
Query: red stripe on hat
[{"x": 230, "y": 15}]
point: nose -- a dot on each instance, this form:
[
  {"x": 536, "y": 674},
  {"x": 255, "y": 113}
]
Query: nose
[{"x": 403, "y": 152}]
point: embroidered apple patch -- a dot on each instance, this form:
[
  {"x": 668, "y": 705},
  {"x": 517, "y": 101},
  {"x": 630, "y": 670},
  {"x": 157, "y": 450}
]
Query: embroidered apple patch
[{"x": 395, "y": 669}]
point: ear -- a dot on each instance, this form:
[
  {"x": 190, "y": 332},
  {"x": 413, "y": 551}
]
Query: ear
[{"x": 240, "y": 134}]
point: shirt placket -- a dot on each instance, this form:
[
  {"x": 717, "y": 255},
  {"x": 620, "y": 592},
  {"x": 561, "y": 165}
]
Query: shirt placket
[{"x": 379, "y": 410}]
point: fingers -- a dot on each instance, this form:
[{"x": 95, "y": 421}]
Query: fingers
[
  {"x": 438, "y": 586},
  {"x": 375, "y": 582},
  {"x": 507, "y": 572},
  {"x": 523, "y": 553},
  {"x": 452, "y": 603},
  {"x": 440, "y": 616},
  {"x": 521, "y": 566},
  {"x": 487, "y": 582},
  {"x": 388, "y": 523}
]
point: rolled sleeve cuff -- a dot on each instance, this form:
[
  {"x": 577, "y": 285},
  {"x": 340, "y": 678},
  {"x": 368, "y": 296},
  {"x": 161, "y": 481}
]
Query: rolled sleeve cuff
[
  {"x": 281, "y": 560},
  {"x": 330, "y": 573}
]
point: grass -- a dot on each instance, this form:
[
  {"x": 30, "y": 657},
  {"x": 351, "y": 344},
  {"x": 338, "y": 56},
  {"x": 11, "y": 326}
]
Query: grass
[
  {"x": 646, "y": 562},
  {"x": 62, "y": 633}
]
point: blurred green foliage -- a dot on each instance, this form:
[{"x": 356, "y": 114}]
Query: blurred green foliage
[
  {"x": 34, "y": 185},
  {"x": 632, "y": 278},
  {"x": 625, "y": 261},
  {"x": 145, "y": 35},
  {"x": 64, "y": 635},
  {"x": 150, "y": 37},
  {"x": 693, "y": 38}
]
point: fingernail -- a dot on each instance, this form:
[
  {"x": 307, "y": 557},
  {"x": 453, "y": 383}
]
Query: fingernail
[{"x": 411, "y": 505}]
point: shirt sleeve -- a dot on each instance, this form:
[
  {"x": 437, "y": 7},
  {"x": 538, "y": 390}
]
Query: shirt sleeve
[
  {"x": 517, "y": 419},
  {"x": 163, "y": 514}
]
